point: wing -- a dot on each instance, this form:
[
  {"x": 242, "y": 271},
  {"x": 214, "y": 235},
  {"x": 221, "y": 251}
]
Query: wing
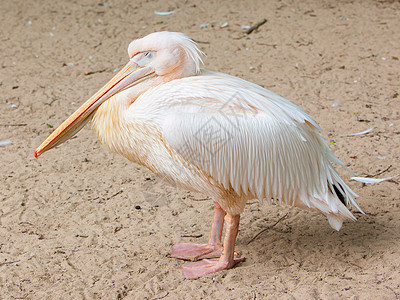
[{"x": 248, "y": 138}]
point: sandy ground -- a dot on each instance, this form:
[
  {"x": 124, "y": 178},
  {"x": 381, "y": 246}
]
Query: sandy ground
[{"x": 69, "y": 228}]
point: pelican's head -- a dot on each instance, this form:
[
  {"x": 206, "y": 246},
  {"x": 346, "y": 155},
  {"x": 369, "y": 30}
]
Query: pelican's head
[
  {"x": 163, "y": 55},
  {"x": 168, "y": 53}
]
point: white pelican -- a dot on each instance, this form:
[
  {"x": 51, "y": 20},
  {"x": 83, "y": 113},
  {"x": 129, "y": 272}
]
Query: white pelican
[{"x": 212, "y": 133}]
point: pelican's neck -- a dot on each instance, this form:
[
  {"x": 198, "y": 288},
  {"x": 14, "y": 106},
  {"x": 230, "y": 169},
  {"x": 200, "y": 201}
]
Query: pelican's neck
[
  {"x": 106, "y": 121},
  {"x": 112, "y": 123}
]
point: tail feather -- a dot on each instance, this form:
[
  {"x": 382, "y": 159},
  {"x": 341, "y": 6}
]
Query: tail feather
[
  {"x": 335, "y": 222},
  {"x": 333, "y": 204},
  {"x": 336, "y": 219}
]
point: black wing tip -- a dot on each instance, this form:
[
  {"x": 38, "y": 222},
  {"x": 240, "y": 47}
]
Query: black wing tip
[{"x": 339, "y": 193}]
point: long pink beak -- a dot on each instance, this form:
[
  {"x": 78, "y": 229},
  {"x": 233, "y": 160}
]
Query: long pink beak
[{"x": 125, "y": 78}]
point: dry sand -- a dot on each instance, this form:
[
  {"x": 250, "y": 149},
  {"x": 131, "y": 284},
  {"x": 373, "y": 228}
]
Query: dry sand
[{"x": 68, "y": 224}]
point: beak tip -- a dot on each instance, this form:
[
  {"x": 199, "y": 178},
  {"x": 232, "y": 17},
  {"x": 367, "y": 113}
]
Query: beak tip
[{"x": 36, "y": 154}]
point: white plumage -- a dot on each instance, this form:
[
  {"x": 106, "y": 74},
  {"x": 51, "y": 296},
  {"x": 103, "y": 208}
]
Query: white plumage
[
  {"x": 212, "y": 133},
  {"x": 246, "y": 138}
]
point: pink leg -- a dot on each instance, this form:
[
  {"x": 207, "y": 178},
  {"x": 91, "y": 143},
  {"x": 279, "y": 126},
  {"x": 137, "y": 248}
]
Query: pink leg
[
  {"x": 217, "y": 225},
  {"x": 227, "y": 260},
  {"x": 196, "y": 251}
]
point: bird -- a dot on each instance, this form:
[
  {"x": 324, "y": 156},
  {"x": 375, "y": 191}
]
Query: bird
[{"x": 212, "y": 133}]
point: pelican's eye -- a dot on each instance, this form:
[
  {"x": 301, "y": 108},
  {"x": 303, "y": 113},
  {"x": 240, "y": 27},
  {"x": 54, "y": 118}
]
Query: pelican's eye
[{"x": 144, "y": 58}]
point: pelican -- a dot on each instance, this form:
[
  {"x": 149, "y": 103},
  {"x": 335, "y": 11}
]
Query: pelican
[{"x": 212, "y": 133}]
